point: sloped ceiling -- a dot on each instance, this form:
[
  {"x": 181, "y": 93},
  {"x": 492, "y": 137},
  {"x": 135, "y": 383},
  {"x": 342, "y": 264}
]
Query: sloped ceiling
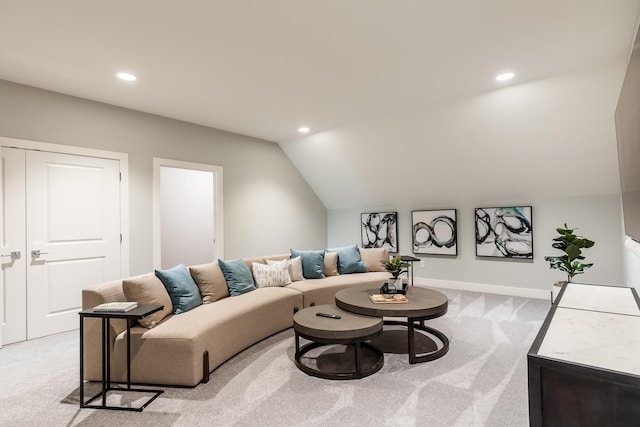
[{"x": 265, "y": 68}]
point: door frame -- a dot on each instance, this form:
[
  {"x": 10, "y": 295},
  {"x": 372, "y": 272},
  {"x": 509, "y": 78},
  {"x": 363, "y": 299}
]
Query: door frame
[
  {"x": 123, "y": 158},
  {"x": 218, "y": 210}
]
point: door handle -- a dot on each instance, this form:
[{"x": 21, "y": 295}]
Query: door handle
[
  {"x": 37, "y": 253},
  {"x": 13, "y": 255}
]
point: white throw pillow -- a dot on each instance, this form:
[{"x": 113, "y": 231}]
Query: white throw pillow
[
  {"x": 271, "y": 275},
  {"x": 294, "y": 265}
]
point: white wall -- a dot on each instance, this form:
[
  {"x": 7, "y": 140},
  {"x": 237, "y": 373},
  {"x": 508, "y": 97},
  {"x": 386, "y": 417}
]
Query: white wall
[
  {"x": 268, "y": 206},
  {"x": 551, "y": 138},
  {"x": 550, "y": 144}
]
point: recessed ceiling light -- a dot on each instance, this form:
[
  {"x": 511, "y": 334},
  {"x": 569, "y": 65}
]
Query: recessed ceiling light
[
  {"x": 505, "y": 76},
  {"x": 303, "y": 129},
  {"x": 126, "y": 76}
]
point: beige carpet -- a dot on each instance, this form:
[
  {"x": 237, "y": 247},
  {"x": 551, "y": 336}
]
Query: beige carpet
[{"x": 482, "y": 381}]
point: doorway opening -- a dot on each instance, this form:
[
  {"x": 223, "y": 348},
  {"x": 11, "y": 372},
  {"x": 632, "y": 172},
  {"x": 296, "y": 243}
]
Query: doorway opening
[{"x": 188, "y": 212}]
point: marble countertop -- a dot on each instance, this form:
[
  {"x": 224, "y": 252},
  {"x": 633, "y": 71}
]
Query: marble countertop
[{"x": 597, "y": 326}]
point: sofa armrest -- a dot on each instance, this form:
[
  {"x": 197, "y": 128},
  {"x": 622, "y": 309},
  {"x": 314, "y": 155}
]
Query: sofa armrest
[{"x": 92, "y": 296}]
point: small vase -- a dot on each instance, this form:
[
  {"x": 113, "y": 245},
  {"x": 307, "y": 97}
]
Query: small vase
[
  {"x": 393, "y": 286},
  {"x": 397, "y": 283}
]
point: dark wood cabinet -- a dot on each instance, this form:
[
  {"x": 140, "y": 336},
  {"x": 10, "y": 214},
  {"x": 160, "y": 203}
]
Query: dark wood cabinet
[{"x": 584, "y": 365}]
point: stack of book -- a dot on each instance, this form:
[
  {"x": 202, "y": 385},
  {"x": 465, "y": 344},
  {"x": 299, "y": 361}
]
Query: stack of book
[
  {"x": 115, "y": 307},
  {"x": 388, "y": 299}
]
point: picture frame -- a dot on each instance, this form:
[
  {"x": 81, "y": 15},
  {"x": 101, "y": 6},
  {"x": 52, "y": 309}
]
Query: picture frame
[
  {"x": 379, "y": 230},
  {"x": 504, "y": 232},
  {"x": 434, "y": 232}
]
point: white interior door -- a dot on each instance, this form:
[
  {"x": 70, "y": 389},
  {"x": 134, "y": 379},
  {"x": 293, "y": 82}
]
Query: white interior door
[
  {"x": 72, "y": 233},
  {"x": 13, "y": 274}
]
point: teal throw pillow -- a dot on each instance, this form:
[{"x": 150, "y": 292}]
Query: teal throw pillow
[
  {"x": 349, "y": 260},
  {"x": 238, "y": 277},
  {"x": 182, "y": 290},
  {"x": 312, "y": 263}
]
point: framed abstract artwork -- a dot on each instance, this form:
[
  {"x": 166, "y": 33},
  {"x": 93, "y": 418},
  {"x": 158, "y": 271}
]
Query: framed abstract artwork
[
  {"x": 380, "y": 230},
  {"x": 504, "y": 232},
  {"x": 434, "y": 232}
]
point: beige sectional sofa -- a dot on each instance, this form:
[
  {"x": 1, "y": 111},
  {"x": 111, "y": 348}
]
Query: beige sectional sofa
[{"x": 182, "y": 349}]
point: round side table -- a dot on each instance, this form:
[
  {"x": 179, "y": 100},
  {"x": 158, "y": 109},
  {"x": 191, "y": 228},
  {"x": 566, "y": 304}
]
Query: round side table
[
  {"x": 350, "y": 329},
  {"x": 423, "y": 304}
]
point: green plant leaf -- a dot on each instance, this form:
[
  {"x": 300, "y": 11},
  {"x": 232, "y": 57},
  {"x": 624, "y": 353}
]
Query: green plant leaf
[
  {"x": 573, "y": 251},
  {"x": 571, "y": 244}
]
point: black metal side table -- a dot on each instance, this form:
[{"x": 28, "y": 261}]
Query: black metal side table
[
  {"x": 130, "y": 316},
  {"x": 410, "y": 259}
]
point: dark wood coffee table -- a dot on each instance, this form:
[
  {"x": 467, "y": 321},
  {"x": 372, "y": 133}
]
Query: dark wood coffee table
[
  {"x": 424, "y": 304},
  {"x": 351, "y": 330}
]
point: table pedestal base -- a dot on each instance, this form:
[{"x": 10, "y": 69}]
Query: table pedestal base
[
  {"x": 359, "y": 360},
  {"x": 102, "y": 395},
  {"x": 417, "y": 338}
]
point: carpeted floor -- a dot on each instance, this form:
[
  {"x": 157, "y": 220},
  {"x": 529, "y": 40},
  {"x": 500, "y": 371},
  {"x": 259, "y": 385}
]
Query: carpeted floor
[{"x": 482, "y": 381}]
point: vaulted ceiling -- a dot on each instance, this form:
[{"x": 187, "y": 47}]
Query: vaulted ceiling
[{"x": 265, "y": 68}]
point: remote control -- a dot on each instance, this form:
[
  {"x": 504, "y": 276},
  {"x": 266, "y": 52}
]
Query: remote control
[{"x": 330, "y": 316}]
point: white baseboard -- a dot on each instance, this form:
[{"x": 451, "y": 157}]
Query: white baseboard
[{"x": 481, "y": 287}]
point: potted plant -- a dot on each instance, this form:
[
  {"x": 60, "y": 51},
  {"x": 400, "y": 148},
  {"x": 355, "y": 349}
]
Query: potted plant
[
  {"x": 571, "y": 262},
  {"x": 395, "y": 266}
]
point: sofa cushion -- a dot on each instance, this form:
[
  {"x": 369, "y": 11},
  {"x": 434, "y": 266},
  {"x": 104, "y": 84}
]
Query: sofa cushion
[
  {"x": 238, "y": 277},
  {"x": 372, "y": 257},
  {"x": 322, "y": 291},
  {"x": 183, "y": 291},
  {"x": 148, "y": 289},
  {"x": 210, "y": 281},
  {"x": 330, "y": 264},
  {"x": 312, "y": 263},
  {"x": 278, "y": 257},
  {"x": 294, "y": 265},
  {"x": 349, "y": 260},
  {"x": 271, "y": 275},
  {"x": 249, "y": 262}
]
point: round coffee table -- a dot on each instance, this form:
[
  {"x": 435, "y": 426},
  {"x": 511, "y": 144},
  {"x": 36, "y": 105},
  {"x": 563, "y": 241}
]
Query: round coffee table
[
  {"x": 350, "y": 329},
  {"x": 423, "y": 304}
]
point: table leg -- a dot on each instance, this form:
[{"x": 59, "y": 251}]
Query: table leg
[
  {"x": 412, "y": 342},
  {"x": 358, "y": 360},
  {"x": 106, "y": 361},
  {"x": 82, "y": 361},
  {"x": 128, "y": 354},
  {"x": 411, "y": 266},
  {"x": 413, "y": 326}
]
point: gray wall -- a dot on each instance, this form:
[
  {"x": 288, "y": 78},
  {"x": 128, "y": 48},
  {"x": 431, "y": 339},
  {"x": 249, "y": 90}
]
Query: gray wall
[
  {"x": 268, "y": 206},
  {"x": 597, "y": 217}
]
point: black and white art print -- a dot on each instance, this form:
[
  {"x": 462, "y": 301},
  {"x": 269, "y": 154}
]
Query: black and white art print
[
  {"x": 434, "y": 232},
  {"x": 380, "y": 230},
  {"x": 504, "y": 232}
]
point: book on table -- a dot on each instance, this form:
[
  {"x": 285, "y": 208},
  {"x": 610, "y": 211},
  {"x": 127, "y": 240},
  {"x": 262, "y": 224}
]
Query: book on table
[
  {"x": 116, "y": 307},
  {"x": 388, "y": 299}
]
